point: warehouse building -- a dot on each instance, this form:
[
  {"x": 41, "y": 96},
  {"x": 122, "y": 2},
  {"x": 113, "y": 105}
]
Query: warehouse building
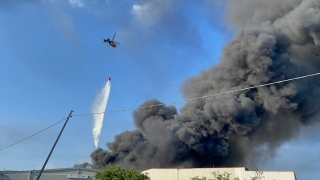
[
  {"x": 154, "y": 174},
  {"x": 50, "y": 174},
  {"x": 240, "y": 173}
]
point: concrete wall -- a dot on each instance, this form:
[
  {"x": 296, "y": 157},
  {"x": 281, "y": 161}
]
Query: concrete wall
[
  {"x": 154, "y": 174},
  {"x": 272, "y": 175},
  {"x": 13, "y": 175},
  {"x": 186, "y": 174},
  {"x": 48, "y": 174},
  {"x": 241, "y": 173}
]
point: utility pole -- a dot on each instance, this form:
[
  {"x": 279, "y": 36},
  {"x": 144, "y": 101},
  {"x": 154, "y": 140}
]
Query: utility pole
[{"x": 45, "y": 163}]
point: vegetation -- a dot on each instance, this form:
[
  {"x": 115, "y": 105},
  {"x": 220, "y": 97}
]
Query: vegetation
[
  {"x": 258, "y": 175},
  {"x": 217, "y": 176},
  {"x": 118, "y": 173}
]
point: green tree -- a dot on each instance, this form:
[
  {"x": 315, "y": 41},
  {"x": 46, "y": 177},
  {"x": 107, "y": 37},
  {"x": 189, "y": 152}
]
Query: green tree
[
  {"x": 223, "y": 176},
  {"x": 217, "y": 176},
  {"x": 258, "y": 175},
  {"x": 197, "y": 178},
  {"x": 118, "y": 173}
]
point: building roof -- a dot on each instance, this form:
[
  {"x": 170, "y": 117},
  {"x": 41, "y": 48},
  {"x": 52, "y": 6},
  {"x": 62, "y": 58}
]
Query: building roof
[{"x": 53, "y": 170}]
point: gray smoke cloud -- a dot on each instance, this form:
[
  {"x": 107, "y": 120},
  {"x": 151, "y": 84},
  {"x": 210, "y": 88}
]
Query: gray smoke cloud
[
  {"x": 272, "y": 44},
  {"x": 251, "y": 12},
  {"x": 83, "y": 165}
]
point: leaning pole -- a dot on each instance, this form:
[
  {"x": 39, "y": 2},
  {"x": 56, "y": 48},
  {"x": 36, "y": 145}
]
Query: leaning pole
[{"x": 54, "y": 145}]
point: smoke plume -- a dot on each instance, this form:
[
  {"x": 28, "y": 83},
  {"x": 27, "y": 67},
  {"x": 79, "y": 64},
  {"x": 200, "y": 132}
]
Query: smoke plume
[{"x": 272, "y": 44}]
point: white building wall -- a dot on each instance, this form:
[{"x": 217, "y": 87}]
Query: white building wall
[
  {"x": 157, "y": 174},
  {"x": 154, "y": 174},
  {"x": 241, "y": 173},
  {"x": 186, "y": 174},
  {"x": 272, "y": 175},
  {"x": 203, "y": 172}
]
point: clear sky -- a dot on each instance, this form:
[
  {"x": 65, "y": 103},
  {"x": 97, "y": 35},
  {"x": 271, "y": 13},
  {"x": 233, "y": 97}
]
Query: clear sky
[{"x": 52, "y": 60}]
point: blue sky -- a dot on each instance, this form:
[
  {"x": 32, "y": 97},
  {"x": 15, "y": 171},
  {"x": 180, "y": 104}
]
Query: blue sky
[{"x": 52, "y": 61}]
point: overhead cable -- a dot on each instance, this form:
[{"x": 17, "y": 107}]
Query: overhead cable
[
  {"x": 201, "y": 97},
  {"x": 173, "y": 102},
  {"x": 34, "y": 134}
]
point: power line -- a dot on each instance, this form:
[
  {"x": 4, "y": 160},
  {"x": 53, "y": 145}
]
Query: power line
[
  {"x": 162, "y": 104},
  {"x": 201, "y": 97},
  {"x": 34, "y": 134}
]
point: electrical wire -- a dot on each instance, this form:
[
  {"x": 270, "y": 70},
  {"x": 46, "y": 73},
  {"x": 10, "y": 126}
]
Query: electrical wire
[
  {"x": 33, "y": 134},
  {"x": 162, "y": 104},
  {"x": 201, "y": 97}
]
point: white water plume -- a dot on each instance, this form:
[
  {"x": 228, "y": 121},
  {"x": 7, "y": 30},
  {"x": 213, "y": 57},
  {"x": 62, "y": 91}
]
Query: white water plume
[{"x": 100, "y": 105}]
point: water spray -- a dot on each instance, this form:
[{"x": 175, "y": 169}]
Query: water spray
[{"x": 100, "y": 105}]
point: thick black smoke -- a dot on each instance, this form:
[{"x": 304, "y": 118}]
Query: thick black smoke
[{"x": 232, "y": 130}]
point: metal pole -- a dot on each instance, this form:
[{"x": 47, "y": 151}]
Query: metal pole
[{"x": 45, "y": 163}]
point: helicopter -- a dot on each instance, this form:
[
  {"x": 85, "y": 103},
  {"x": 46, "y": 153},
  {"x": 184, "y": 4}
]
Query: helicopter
[{"x": 112, "y": 42}]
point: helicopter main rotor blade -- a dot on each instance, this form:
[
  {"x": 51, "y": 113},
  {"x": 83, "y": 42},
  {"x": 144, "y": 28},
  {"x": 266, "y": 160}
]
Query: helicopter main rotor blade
[{"x": 114, "y": 36}]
